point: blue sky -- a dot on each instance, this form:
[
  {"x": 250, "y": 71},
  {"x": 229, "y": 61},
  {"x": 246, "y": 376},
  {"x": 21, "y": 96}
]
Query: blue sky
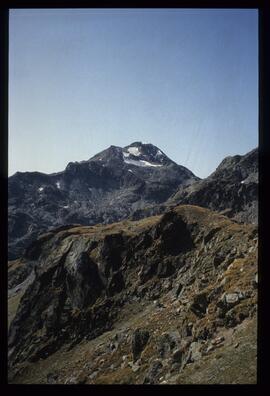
[{"x": 82, "y": 80}]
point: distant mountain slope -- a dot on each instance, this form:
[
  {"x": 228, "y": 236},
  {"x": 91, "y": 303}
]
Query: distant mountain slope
[
  {"x": 232, "y": 189},
  {"x": 108, "y": 187}
]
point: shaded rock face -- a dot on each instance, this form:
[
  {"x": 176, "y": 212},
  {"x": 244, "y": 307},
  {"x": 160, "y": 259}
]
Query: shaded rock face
[
  {"x": 109, "y": 187},
  {"x": 110, "y": 253},
  {"x": 84, "y": 284},
  {"x": 231, "y": 189},
  {"x": 89, "y": 280},
  {"x": 170, "y": 230}
]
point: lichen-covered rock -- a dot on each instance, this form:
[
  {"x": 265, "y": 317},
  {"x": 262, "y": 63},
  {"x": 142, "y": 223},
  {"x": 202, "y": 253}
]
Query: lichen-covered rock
[
  {"x": 194, "y": 352},
  {"x": 153, "y": 372}
]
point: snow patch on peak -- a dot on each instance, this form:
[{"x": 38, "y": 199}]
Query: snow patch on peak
[
  {"x": 140, "y": 163},
  {"x": 41, "y": 189},
  {"x": 57, "y": 184},
  {"x": 134, "y": 151},
  {"x": 159, "y": 153},
  {"x": 146, "y": 163}
]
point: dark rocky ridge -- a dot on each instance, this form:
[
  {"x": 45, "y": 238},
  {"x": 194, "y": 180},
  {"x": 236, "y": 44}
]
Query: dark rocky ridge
[
  {"x": 184, "y": 280},
  {"x": 109, "y": 187},
  {"x": 232, "y": 189}
]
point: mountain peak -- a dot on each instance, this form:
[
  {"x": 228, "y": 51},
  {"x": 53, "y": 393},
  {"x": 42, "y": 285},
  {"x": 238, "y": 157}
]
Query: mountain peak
[
  {"x": 136, "y": 154},
  {"x": 144, "y": 154}
]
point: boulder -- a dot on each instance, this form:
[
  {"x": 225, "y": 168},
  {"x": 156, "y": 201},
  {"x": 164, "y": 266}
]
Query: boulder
[
  {"x": 139, "y": 340},
  {"x": 231, "y": 299},
  {"x": 199, "y": 305},
  {"x": 194, "y": 352},
  {"x": 168, "y": 343}
]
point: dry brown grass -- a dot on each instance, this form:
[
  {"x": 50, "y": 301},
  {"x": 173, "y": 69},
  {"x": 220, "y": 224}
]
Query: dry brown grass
[
  {"x": 13, "y": 303},
  {"x": 14, "y": 264},
  {"x": 129, "y": 227},
  {"x": 227, "y": 365}
]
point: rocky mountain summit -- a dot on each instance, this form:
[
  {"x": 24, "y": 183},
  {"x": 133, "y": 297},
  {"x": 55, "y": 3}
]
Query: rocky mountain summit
[
  {"x": 232, "y": 189},
  {"x": 108, "y": 187},
  {"x": 168, "y": 299}
]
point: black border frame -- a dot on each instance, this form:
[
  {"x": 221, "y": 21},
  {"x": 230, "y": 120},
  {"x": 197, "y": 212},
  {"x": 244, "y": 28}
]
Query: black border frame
[{"x": 264, "y": 199}]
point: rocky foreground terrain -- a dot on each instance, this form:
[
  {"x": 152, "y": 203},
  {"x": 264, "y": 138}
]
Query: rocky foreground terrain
[{"x": 168, "y": 299}]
